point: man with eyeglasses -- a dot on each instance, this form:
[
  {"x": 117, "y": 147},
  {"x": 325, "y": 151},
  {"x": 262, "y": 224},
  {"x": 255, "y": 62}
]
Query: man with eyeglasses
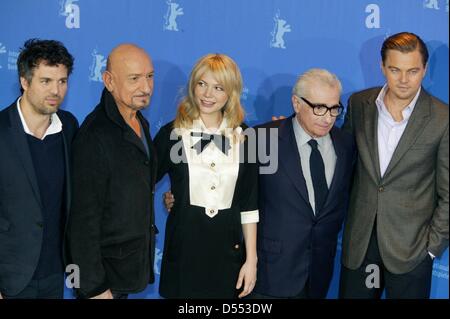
[{"x": 303, "y": 204}]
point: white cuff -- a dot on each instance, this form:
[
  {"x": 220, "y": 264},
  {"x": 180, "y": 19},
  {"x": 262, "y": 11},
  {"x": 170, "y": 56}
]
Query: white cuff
[
  {"x": 251, "y": 216},
  {"x": 432, "y": 256}
]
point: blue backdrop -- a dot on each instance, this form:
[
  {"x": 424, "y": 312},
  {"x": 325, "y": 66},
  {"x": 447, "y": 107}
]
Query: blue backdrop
[{"x": 273, "y": 41}]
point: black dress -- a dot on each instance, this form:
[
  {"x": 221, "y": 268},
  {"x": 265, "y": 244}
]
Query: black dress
[{"x": 203, "y": 248}]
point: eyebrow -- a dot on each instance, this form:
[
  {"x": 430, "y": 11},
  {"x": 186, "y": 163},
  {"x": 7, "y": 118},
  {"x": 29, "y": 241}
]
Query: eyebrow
[
  {"x": 394, "y": 67},
  {"x": 217, "y": 84},
  {"x": 51, "y": 79}
]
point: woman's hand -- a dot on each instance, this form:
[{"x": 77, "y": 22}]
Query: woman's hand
[{"x": 247, "y": 277}]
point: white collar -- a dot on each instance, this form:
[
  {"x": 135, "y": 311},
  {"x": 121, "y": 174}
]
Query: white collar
[
  {"x": 54, "y": 127},
  {"x": 406, "y": 112}
]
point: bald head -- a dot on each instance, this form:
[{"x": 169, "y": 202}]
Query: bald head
[
  {"x": 122, "y": 53},
  {"x": 129, "y": 76}
]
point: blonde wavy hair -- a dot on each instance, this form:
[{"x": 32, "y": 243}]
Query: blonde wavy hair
[{"x": 227, "y": 73}]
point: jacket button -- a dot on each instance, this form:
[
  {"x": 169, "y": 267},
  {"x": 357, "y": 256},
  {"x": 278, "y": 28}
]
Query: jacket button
[
  {"x": 213, "y": 164},
  {"x": 213, "y": 187},
  {"x": 146, "y": 163},
  {"x": 381, "y": 189},
  {"x": 236, "y": 246}
]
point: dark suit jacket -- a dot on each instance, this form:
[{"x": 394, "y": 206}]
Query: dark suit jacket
[
  {"x": 21, "y": 227},
  {"x": 293, "y": 243},
  {"x": 410, "y": 202},
  {"x": 111, "y": 230}
]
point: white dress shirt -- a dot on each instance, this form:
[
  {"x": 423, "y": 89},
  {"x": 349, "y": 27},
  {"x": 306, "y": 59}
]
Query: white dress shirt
[
  {"x": 212, "y": 174},
  {"x": 54, "y": 127},
  {"x": 326, "y": 149},
  {"x": 390, "y": 131}
]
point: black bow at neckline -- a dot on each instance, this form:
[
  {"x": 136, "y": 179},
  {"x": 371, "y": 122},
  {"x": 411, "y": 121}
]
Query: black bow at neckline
[{"x": 222, "y": 142}]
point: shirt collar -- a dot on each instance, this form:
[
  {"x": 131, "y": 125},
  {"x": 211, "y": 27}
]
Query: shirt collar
[
  {"x": 407, "y": 111},
  {"x": 54, "y": 127}
]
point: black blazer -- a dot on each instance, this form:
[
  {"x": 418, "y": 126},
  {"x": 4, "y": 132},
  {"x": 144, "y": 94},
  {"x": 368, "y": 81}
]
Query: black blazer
[
  {"x": 21, "y": 225},
  {"x": 111, "y": 230},
  {"x": 293, "y": 243}
]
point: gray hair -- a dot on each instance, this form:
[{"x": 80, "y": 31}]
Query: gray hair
[{"x": 313, "y": 76}]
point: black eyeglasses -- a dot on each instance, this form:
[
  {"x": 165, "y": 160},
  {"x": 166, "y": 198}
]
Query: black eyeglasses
[{"x": 322, "y": 109}]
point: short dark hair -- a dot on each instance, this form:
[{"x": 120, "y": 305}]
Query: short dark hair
[
  {"x": 36, "y": 51},
  {"x": 405, "y": 42}
]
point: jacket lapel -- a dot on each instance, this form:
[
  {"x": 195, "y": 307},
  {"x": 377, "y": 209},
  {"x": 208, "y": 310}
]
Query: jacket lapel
[
  {"x": 339, "y": 168},
  {"x": 151, "y": 151},
  {"x": 289, "y": 158},
  {"x": 416, "y": 123},
  {"x": 19, "y": 140},
  {"x": 371, "y": 131},
  {"x": 66, "y": 143},
  {"x": 131, "y": 137},
  {"x": 114, "y": 114}
]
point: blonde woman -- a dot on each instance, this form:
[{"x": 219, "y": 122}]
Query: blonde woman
[{"x": 210, "y": 238}]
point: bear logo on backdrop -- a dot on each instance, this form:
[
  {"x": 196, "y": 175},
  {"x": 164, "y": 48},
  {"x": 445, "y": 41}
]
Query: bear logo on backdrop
[
  {"x": 98, "y": 63},
  {"x": 173, "y": 11},
  {"x": 280, "y": 28}
]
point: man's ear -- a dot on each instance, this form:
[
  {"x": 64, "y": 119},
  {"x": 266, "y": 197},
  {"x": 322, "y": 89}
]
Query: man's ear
[
  {"x": 24, "y": 83},
  {"x": 295, "y": 103},
  {"x": 425, "y": 71},
  {"x": 382, "y": 68},
  {"x": 108, "y": 80}
]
